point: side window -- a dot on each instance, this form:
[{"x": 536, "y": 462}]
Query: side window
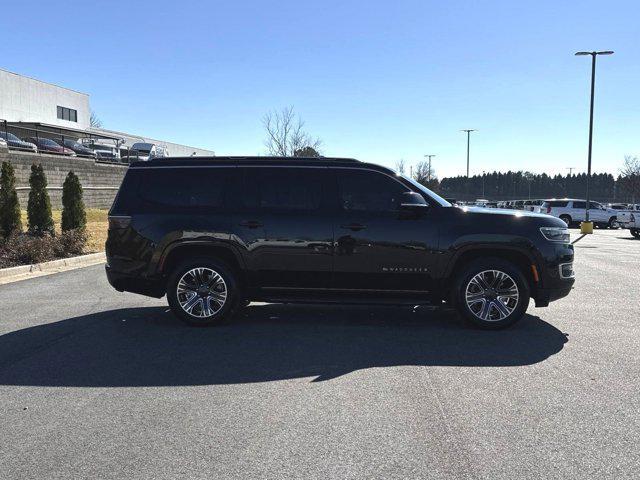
[
  {"x": 579, "y": 205},
  {"x": 183, "y": 187},
  {"x": 367, "y": 191},
  {"x": 281, "y": 188}
]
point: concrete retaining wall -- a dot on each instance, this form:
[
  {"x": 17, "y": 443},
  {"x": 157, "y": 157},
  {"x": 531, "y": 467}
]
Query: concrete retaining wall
[{"x": 100, "y": 181}]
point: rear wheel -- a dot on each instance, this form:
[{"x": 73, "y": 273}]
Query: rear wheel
[
  {"x": 635, "y": 232},
  {"x": 203, "y": 292},
  {"x": 492, "y": 293}
]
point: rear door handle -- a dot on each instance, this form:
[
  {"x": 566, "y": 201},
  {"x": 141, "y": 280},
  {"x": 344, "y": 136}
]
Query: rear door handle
[
  {"x": 353, "y": 226},
  {"x": 251, "y": 224}
]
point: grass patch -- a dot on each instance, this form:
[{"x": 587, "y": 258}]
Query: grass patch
[{"x": 97, "y": 225}]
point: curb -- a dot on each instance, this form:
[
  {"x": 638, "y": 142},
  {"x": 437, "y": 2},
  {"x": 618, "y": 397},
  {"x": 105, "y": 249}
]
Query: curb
[{"x": 53, "y": 265}]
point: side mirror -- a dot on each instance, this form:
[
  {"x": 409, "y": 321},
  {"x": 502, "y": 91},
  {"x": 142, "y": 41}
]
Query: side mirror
[{"x": 413, "y": 200}]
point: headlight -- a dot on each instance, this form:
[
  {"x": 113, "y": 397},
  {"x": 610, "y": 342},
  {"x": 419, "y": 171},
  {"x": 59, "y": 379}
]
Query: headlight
[{"x": 555, "y": 234}]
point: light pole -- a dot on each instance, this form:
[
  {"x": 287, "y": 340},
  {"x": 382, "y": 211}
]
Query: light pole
[
  {"x": 468, "y": 136},
  {"x": 593, "y": 84},
  {"x": 483, "y": 184},
  {"x": 429, "y": 157}
]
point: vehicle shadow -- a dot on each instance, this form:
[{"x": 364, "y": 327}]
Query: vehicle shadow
[{"x": 149, "y": 347}]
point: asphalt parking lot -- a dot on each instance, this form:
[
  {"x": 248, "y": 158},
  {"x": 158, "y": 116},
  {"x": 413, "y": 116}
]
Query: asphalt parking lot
[{"x": 99, "y": 384}]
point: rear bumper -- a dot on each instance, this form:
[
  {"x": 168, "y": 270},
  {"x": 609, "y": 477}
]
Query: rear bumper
[{"x": 123, "y": 282}]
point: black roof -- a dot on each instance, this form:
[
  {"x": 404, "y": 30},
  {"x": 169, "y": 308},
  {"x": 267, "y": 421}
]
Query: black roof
[
  {"x": 270, "y": 161},
  {"x": 201, "y": 161}
]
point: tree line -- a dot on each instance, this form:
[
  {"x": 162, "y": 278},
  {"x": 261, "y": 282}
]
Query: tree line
[{"x": 523, "y": 185}]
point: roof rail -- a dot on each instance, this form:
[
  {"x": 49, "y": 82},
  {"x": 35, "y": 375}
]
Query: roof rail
[{"x": 256, "y": 158}]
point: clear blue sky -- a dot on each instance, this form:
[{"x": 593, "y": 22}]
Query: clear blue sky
[{"x": 374, "y": 80}]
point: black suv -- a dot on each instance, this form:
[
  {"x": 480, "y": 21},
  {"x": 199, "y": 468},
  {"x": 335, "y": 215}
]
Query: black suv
[{"x": 215, "y": 233}]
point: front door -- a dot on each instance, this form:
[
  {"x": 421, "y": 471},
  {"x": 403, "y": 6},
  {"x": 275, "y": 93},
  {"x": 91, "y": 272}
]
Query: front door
[
  {"x": 286, "y": 227},
  {"x": 379, "y": 246}
]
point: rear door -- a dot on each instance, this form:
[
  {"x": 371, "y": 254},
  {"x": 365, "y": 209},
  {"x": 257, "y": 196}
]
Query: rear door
[
  {"x": 285, "y": 227},
  {"x": 577, "y": 211},
  {"x": 379, "y": 247}
]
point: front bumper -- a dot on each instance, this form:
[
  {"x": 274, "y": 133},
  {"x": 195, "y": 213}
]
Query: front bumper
[{"x": 543, "y": 296}]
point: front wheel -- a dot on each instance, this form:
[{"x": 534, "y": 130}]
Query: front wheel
[
  {"x": 635, "y": 232},
  {"x": 491, "y": 293},
  {"x": 613, "y": 223},
  {"x": 203, "y": 292}
]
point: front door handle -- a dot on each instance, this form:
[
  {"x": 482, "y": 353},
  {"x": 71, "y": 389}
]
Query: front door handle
[
  {"x": 354, "y": 226},
  {"x": 250, "y": 224}
]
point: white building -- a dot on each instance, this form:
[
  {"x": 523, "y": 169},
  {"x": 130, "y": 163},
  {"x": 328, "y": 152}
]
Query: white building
[
  {"x": 24, "y": 99},
  {"x": 31, "y": 106}
]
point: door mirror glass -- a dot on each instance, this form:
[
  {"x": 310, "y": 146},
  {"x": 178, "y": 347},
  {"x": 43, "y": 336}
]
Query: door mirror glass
[{"x": 412, "y": 200}]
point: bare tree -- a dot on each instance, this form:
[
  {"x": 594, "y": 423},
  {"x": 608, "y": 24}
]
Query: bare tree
[
  {"x": 286, "y": 136},
  {"x": 630, "y": 177},
  {"x": 94, "y": 121},
  {"x": 426, "y": 175},
  {"x": 400, "y": 166}
]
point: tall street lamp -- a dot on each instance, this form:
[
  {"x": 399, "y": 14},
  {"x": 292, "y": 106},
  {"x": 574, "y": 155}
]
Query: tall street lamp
[
  {"x": 468, "y": 135},
  {"x": 429, "y": 157},
  {"x": 593, "y": 84}
]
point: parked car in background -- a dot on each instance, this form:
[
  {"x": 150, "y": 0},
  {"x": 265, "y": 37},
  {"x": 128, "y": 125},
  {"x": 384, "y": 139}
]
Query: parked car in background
[
  {"x": 46, "y": 145},
  {"x": 533, "y": 205},
  {"x": 573, "y": 211},
  {"x": 105, "y": 153},
  {"x": 15, "y": 143},
  {"x": 147, "y": 151},
  {"x": 80, "y": 149},
  {"x": 630, "y": 218},
  {"x": 618, "y": 206}
]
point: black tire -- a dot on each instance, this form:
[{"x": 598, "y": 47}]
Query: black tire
[
  {"x": 199, "y": 317},
  {"x": 566, "y": 219},
  {"x": 635, "y": 232},
  {"x": 497, "y": 318},
  {"x": 613, "y": 223}
]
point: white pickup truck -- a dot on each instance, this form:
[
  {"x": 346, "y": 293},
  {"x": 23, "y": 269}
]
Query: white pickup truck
[{"x": 630, "y": 219}]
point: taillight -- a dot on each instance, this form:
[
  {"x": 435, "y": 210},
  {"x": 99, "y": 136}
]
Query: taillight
[{"x": 117, "y": 222}]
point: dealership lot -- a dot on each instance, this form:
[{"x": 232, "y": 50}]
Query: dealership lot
[{"x": 99, "y": 384}]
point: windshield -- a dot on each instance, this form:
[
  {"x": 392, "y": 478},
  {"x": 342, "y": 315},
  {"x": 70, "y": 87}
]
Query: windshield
[
  {"x": 441, "y": 201},
  {"x": 9, "y": 136}
]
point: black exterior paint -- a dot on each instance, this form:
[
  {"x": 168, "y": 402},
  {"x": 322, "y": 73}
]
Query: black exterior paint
[{"x": 328, "y": 254}]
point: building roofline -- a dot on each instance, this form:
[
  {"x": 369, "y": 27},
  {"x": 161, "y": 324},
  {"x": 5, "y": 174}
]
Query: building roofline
[
  {"x": 42, "y": 81},
  {"x": 144, "y": 138}
]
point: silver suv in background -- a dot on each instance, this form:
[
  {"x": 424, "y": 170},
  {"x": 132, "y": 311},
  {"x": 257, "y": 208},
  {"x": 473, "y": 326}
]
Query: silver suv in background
[
  {"x": 573, "y": 211},
  {"x": 147, "y": 151}
]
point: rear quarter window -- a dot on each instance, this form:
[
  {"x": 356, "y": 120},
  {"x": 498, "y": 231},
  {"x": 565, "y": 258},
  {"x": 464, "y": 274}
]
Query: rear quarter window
[
  {"x": 180, "y": 189},
  {"x": 125, "y": 200}
]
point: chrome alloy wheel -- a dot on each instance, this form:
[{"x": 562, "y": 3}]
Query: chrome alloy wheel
[
  {"x": 492, "y": 295},
  {"x": 201, "y": 292}
]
